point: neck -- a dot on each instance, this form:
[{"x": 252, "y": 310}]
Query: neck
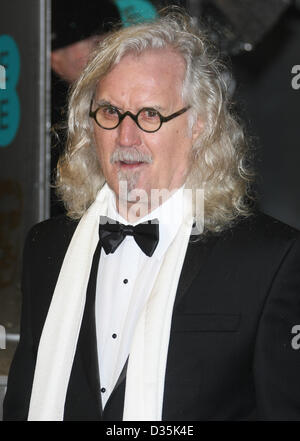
[
  {"x": 133, "y": 211},
  {"x": 139, "y": 204}
]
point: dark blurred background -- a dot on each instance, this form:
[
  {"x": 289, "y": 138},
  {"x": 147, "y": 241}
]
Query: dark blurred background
[{"x": 260, "y": 41}]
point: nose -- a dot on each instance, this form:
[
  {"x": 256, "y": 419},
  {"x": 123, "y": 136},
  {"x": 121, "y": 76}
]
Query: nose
[{"x": 129, "y": 133}]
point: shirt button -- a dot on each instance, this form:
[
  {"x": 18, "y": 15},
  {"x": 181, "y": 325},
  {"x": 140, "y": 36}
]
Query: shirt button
[
  {"x": 114, "y": 336},
  {"x": 103, "y": 390},
  {"x": 125, "y": 281}
]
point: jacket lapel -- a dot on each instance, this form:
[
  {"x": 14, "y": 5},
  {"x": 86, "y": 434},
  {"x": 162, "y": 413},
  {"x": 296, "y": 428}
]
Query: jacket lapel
[
  {"x": 83, "y": 399},
  {"x": 114, "y": 407},
  {"x": 88, "y": 343},
  {"x": 197, "y": 255}
]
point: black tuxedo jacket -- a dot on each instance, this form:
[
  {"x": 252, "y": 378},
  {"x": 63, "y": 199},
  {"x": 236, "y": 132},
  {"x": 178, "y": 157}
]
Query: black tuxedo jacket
[{"x": 231, "y": 353}]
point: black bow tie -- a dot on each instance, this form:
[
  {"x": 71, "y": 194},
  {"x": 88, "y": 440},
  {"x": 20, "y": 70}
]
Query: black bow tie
[{"x": 112, "y": 234}]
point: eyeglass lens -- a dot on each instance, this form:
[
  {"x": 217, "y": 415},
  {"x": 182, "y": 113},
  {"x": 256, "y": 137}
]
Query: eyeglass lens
[{"x": 108, "y": 117}]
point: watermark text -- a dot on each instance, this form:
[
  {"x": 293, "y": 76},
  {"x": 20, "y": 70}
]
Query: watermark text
[
  {"x": 296, "y": 79},
  {"x": 2, "y": 337},
  {"x": 296, "y": 340},
  {"x": 138, "y": 203}
]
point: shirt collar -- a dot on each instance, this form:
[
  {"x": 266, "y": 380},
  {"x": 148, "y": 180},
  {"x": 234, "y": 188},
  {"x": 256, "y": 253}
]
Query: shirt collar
[{"x": 169, "y": 215}]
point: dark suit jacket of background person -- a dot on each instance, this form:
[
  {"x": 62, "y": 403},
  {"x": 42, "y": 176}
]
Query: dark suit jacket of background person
[{"x": 230, "y": 354}]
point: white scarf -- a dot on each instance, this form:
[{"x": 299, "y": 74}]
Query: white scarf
[{"x": 148, "y": 354}]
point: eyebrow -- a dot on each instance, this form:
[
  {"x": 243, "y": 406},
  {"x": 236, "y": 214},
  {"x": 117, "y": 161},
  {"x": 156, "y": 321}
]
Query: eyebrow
[{"x": 103, "y": 102}]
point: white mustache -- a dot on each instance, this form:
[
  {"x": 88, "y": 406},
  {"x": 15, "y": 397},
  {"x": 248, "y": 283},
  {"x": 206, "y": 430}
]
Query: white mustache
[{"x": 133, "y": 155}]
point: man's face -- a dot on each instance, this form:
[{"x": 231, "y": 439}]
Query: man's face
[{"x": 153, "y": 79}]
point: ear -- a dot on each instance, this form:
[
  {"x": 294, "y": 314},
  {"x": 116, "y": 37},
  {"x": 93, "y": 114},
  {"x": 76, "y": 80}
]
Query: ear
[
  {"x": 56, "y": 58},
  {"x": 197, "y": 129}
]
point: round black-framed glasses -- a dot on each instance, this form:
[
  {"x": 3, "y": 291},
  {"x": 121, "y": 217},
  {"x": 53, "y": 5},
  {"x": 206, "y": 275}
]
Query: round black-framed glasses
[{"x": 147, "y": 119}]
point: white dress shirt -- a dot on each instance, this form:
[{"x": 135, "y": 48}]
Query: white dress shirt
[{"x": 118, "y": 304}]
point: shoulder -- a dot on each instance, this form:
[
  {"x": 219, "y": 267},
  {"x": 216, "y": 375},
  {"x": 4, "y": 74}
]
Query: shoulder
[
  {"x": 51, "y": 232},
  {"x": 57, "y": 226},
  {"x": 44, "y": 252},
  {"x": 47, "y": 242},
  {"x": 262, "y": 227},
  {"x": 259, "y": 238}
]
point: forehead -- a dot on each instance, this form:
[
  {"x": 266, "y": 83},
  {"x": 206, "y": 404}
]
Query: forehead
[{"x": 155, "y": 74}]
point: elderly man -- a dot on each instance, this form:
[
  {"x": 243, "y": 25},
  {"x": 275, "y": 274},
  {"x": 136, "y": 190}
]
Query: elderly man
[{"x": 137, "y": 305}]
